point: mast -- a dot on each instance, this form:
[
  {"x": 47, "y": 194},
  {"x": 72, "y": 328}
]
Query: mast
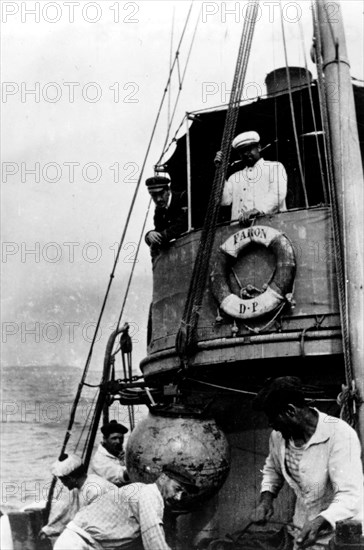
[{"x": 348, "y": 181}]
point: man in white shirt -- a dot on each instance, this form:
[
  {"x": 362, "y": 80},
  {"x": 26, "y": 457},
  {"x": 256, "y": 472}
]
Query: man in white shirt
[
  {"x": 132, "y": 518},
  {"x": 109, "y": 459},
  {"x": 317, "y": 455},
  {"x": 258, "y": 186}
]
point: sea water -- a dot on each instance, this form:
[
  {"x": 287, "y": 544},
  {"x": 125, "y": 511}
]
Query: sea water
[{"x": 35, "y": 409}]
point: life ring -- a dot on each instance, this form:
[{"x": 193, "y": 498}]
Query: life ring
[{"x": 279, "y": 288}]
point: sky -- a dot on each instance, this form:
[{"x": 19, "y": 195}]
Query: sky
[{"x": 81, "y": 86}]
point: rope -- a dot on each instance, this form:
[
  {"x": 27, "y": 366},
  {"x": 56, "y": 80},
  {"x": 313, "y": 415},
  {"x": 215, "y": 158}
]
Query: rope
[
  {"x": 316, "y": 325},
  {"x": 176, "y": 60},
  {"x": 181, "y": 80},
  {"x": 126, "y": 347},
  {"x": 173, "y": 140},
  {"x": 85, "y": 423},
  {"x": 222, "y": 387},
  {"x": 259, "y": 543},
  {"x": 112, "y": 275},
  {"x": 347, "y": 411},
  {"x": 258, "y": 330},
  {"x": 245, "y": 392},
  {"x": 170, "y": 64},
  {"x": 292, "y": 111},
  {"x": 185, "y": 339},
  {"x": 133, "y": 266},
  {"x": 95, "y": 412},
  {"x": 313, "y": 117},
  {"x": 129, "y": 407},
  {"x": 150, "y": 201},
  {"x": 126, "y": 294}
]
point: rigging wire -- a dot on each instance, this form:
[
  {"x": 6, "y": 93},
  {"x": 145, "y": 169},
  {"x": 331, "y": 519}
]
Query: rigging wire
[
  {"x": 91, "y": 408},
  {"x": 276, "y": 119},
  {"x": 186, "y": 336},
  {"x": 181, "y": 80},
  {"x": 130, "y": 407},
  {"x": 112, "y": 275},
  {"x": 173, "y": 140},
  {"x": 206, "y": 109},
  {"x": 170, "y": 64},
  {"x": 133, "y": 266},
  {"x": 127, "y": 368},
  {"x": 176, "y": 55},
  {"x": 89, "y": 433},
  {"x": 131, "y": 412},
  {"x": 246, "y": 392},
  {"x": 322, "y": 99},
  {"x": 323, "y": 182},
  {"x": 150, "y": 201},
  {"x": 299, "y": 160}
]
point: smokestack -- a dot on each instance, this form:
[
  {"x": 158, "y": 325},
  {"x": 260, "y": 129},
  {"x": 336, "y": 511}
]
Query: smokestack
[{"x": 277, "y": 82}]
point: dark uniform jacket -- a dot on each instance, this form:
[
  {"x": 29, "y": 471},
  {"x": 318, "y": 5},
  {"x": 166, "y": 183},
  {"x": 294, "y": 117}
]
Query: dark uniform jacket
[{"x": 171, "y": 222}]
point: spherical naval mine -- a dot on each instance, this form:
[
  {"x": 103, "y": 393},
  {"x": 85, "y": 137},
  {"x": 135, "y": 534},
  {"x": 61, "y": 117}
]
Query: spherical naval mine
[{"x": 199, "y": 446}]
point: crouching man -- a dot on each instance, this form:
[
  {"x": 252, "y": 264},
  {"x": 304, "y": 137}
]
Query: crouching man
[{"x": 131, "y": 517}]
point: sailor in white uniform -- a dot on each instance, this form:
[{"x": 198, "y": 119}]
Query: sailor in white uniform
[
  {"x": 80, "y": 489},
  {"x": 259, "y": 187},
  {"x": 109, "y": 459}
]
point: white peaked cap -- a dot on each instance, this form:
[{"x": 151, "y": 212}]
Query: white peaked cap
[
  {"x": 65, "y": 467},
  {"x": 246, "y": 138}
]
